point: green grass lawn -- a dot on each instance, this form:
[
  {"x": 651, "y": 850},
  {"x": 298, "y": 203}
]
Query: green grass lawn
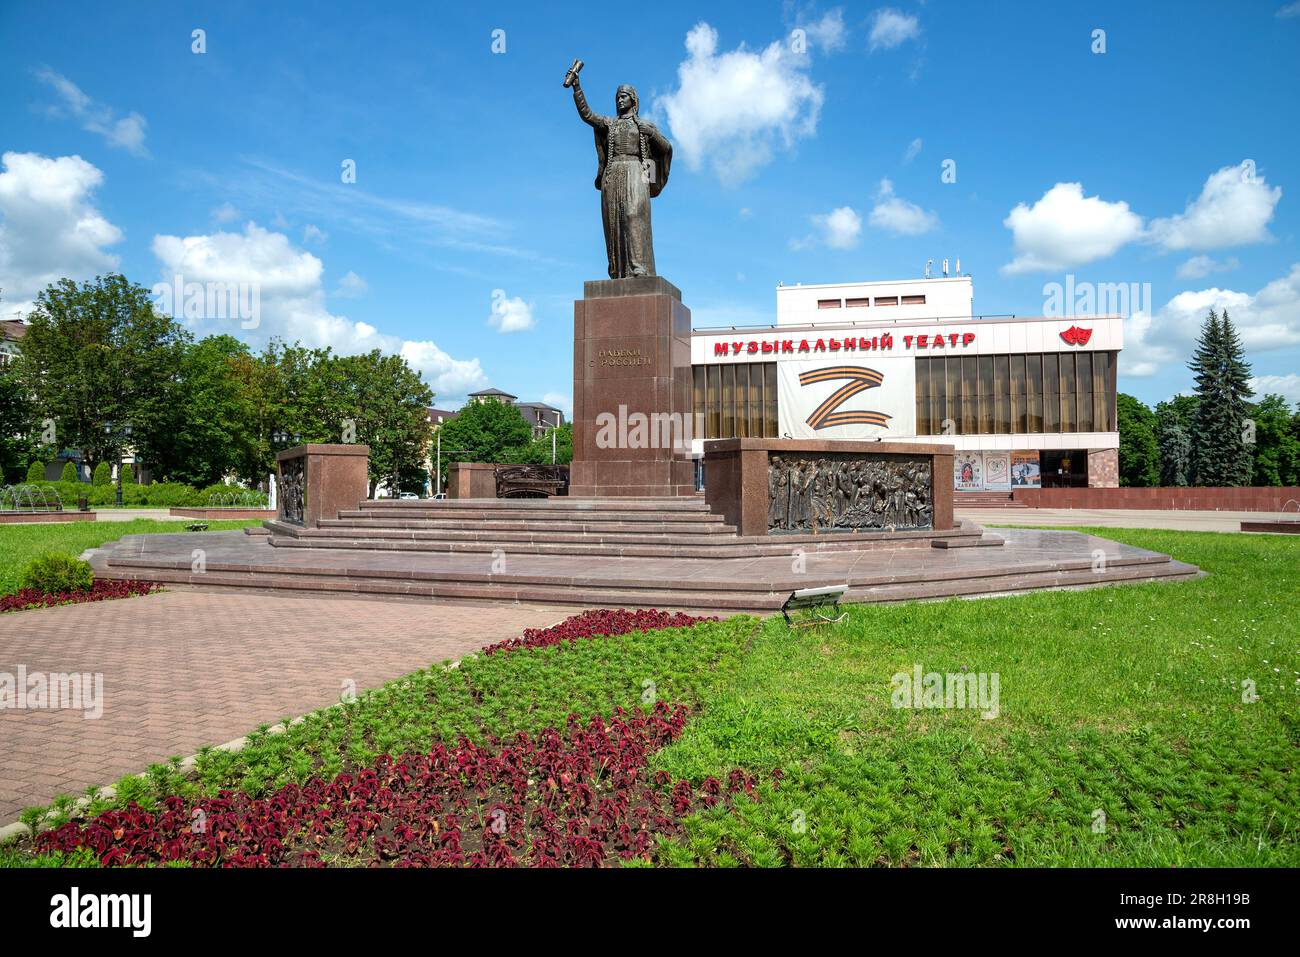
[
  {"x": 19, "y": 544},
  {"x": 1125, "y": 702}
]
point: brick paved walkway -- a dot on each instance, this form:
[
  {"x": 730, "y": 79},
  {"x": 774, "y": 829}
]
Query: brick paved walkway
[{"x": 187, "y": 668}]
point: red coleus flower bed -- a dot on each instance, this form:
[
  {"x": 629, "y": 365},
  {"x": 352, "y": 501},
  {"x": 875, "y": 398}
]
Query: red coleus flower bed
[
  {"x": 599, "y": 622},
  {"x": 581, "y": 798},
  {"x": 100, "y": 591}
]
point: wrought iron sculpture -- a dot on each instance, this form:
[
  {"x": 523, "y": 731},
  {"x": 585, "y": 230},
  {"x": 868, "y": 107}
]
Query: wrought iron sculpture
[
  {"x": 293, "y": 485},
  {"x": 531, "y": 481},
  {"x": 840, "y": 491}
]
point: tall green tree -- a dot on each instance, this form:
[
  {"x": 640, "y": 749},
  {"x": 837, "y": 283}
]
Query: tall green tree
[
  {"x": 387, "y": 403},
  {"x": 1138, "y": 453},
  {"x": 1221, "y": 454},
  {"x": 210, "y": 431},
  {"x": 1276, "y": 449},
  {"x": 99, "y": 353},
  {"x": 18, "y": 429},
  {"x": 538, "y": 451},
  {"x": 484, "y": 432},
  {"x": 1174, "y": 446}
]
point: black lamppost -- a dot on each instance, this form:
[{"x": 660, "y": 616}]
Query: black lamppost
[
  {"x": 118, "y": 437},
  {"x": 281, "y": 439}
]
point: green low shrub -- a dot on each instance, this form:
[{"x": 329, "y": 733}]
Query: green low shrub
[
  {"x": 56, "y": 573},
  {"x": 36, "y": 472},
  {"x": 170, "y": 494},
  {"x": 128, "y": 473},
  {"x": 103, "y": 474}
]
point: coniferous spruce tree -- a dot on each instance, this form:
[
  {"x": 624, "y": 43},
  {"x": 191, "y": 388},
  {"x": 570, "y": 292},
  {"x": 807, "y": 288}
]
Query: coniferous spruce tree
[
  {"x": 1221, "y": 455},
  {"x": 1175, "y": 449},
  {"x": 1237, "y": 386}
]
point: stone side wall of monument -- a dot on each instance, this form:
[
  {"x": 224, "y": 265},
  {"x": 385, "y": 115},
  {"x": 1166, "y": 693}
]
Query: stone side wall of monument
[{"x": 741, "y": 475}]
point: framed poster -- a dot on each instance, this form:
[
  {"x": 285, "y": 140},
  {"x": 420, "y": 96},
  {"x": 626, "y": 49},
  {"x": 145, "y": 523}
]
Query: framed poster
[
  {"x": 968, "y": 471},
  {"x": 1025, "y": 471},
  {"x": 997, "y": 471}
]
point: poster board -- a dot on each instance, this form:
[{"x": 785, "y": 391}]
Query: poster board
[
  {"x": 1025, "y": 470},
  {"x": 968, "y": 471},
  {"x": 997, "y": 471}
]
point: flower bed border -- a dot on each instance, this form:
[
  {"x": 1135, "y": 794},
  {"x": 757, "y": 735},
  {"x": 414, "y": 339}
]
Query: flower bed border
[{"x": 100, "y": 590}]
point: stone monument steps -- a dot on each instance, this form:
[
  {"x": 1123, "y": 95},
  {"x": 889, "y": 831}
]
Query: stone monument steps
[
  {"x": 1114, "y": 574},
  {"x": 968, "y": 541},
  {"x": 696, "y": 547},
  {"x": 561, "y": 503},
  {"x": 634, "y": 539},
  {"x": 703, "y": 525},
  {"x": 756, "y": 585},
  {"x": 985, "y": 500}
]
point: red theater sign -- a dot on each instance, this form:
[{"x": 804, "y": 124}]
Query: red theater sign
[
  {"x": 885, "y": 343},
  {"x": 1076, "y": 336}
]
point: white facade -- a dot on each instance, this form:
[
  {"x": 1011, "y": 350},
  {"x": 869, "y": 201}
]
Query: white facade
[
  {"x": 948, "y": 298},
  {"x": 870, "y": 327}
]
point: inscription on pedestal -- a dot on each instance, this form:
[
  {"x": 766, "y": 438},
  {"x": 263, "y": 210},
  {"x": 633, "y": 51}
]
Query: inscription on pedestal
[{"x": 622, "y": 357}]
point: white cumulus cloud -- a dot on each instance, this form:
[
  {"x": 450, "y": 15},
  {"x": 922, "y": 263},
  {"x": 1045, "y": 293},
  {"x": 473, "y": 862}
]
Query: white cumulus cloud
[
  {"x": 1287, "y": 386},
  {"x": 829, "y": 33},
  {"x": 49, "y": 226},
  {"x": 291, "y": 301},
  {"x": 896, "y": 215},
  {"x": 225, "y": 213},
  {"x": 1267, "y": 319},
  {"x": 1234, "y": 209},
  {"x": 891, "y": 28},
  {"x": 351, "y": 286},
  {"x": 510, "y": 314},
  {"x": 1198, "y": 267},
  {"x": 1065, "y": 228},
  {"x": 731, "y": 111},
  {"x": 839, "y": 228}
]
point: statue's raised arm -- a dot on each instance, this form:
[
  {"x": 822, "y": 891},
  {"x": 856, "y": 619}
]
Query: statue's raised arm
[{"x": 633, "y": 161}]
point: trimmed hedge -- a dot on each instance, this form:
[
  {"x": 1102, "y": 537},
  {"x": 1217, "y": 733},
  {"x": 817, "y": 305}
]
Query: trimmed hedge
[
  {"x": 36, "y": 472},
  {"x": 103, "y": 474},
  {"x": 157, "y": 495},
  {"x": 69, "y": 473}
]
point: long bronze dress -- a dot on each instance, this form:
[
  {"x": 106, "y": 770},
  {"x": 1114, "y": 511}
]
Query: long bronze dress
[{"x": 634, "y": 160}]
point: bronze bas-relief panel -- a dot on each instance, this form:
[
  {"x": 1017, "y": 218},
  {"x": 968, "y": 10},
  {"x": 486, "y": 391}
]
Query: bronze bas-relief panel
[
  {"x": 292, "y": 491},
  {"x": 847, "y": 491}
]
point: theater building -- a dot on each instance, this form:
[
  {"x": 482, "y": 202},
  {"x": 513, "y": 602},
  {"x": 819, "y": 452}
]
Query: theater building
[{"x": 1026, "y": 401}]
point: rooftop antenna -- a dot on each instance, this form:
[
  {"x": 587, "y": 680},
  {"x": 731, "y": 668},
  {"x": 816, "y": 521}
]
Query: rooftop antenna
[
  {"x": 945, "y": 267},
  {"x": 958, "y": 270},
  {"x": 928, "y": 264}
]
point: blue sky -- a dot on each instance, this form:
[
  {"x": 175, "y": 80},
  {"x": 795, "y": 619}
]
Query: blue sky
[{"x": 799, "y": 157}]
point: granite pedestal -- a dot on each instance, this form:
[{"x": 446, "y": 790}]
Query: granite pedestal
[{"x": 632, "y": 404}]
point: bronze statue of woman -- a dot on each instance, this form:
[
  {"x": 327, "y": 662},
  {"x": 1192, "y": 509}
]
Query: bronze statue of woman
[{"x": 634, "y": 158}]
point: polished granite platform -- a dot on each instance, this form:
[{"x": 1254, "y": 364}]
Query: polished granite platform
[{"x": 494, "y": 555}]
